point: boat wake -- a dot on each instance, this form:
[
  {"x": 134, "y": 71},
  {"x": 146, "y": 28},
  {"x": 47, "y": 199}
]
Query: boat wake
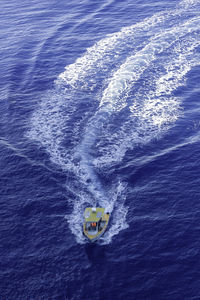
[{"x": 119, "y": 94}]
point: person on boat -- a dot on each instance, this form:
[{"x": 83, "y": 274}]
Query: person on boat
[
  {"x": 94, "y": 224},
  {"x": 99, "y": 223}
]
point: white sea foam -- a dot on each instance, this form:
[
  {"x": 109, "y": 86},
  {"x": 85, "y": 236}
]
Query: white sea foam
[
  {"x": 129, "y": 72},
  {"x": 140, "y": 67},
  {"x": 105, "y": 50},
  {"x": 149, "y": 158},
  {"x": 102, "y": 53},
  {"x": 178, "y": 67},
  {"x": 189, "y": 3},
  {"x": 154, "y": 107}
]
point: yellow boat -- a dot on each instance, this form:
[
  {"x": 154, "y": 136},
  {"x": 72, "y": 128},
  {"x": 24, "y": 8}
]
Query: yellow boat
[{"x": 95, "y": 222}]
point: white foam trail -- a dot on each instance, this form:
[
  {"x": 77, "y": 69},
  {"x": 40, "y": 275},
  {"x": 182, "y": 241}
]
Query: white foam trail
[
  {"x": 177, "y": 68},
  {"x": 189, "y": 3},
  {"x": 128, "y": 73},
  {"x": 114, "y": 100},
  {"x": 86, "y": 168},
  {"x": 155, "y": 107},
  {"x": 98, "y": 55},
  {"x": 133, "y": 68},
  {"x": 141, "y": 161},
  {"x": 101, "y": 54},
  {"x": 139, "y": 79},
  {"x": 165, "y": 106},
  {"x": 48, "y": 123}
]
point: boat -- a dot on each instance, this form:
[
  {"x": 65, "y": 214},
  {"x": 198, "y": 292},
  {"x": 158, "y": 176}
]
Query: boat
[{"x": 95, "y": 222}]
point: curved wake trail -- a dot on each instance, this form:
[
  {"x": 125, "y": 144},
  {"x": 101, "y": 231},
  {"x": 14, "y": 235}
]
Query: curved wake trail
[{"x": 86, "y": 130}]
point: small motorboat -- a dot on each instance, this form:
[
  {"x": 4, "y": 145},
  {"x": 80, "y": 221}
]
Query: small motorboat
[{"x": 95, "y": 222}]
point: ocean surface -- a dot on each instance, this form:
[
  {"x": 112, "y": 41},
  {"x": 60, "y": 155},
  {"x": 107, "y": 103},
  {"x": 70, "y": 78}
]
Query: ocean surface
[{"x": 100, "y": 105}]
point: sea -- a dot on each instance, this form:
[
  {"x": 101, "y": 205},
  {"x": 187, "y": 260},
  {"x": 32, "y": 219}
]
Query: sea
[{"x": 100, "y": 106}]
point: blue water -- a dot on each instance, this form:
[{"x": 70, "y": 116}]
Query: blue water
[{"x": 100, "y": 106}]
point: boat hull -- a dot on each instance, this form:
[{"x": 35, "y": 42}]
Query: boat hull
[{"x": 93, "y": 217}]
